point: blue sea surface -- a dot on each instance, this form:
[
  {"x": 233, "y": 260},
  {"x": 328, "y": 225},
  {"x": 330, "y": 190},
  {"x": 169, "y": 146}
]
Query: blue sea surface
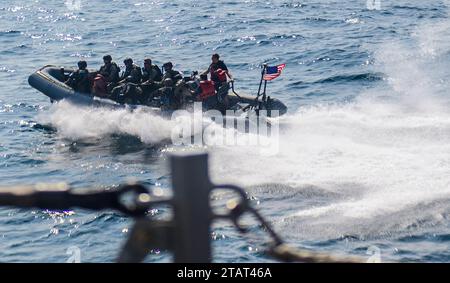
[{"x": 363, "y": 166}]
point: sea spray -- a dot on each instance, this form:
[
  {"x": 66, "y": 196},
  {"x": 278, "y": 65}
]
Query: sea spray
[
  {"x": 75, "y": 122},
  {"x": 384, "y": 152}
]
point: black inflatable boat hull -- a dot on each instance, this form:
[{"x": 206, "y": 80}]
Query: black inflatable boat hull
[{"x": 48, "y": 80}]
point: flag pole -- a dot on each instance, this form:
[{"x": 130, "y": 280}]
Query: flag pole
[
  {"x": 264, "y": 93},
  {"x": 262, "y": 78}
]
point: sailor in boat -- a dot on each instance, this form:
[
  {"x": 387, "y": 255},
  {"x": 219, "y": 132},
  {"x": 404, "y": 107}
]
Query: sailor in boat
[
  {"x": 79, "y": 80},
  {"x": 151, "y": 72},
  {"x": 219, "y": 73},
  {"x": 170, "y": 73},
  {"x": 132, "y": 74},
  {"x": 151, "y": 78},
  {"x": 128, "y": 89},
  {"x": 110, "y": 70},
  {"x": 106, "y": 78}
]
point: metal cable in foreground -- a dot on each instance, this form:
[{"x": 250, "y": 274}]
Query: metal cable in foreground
[{"x": 186, "y": 235}]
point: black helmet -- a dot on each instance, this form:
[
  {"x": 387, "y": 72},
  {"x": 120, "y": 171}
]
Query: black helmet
[
  {"x": 203, "y": 77},
  {"x": 128, "y": 61},
  {"x": 107, "y": 58},
  {"x": 82, "y": 64},
  {"x": 168, "y": 64}
]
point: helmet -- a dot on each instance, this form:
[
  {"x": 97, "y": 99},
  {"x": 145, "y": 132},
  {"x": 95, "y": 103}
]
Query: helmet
[
  {"x": 168, "y": 64},
  {"x": 128, "y": 61},
  {"x": 168, "y": 82},
  {"x": 107, "y": 58},
  {"x": 82, "y": 64}
]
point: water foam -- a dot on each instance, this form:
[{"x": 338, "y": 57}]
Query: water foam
[
  {"x": 75, "y": 122},
  {"x": 391, "y": 145}
]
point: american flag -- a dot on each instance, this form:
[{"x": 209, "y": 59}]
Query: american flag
[{"x": 273, "y": 72}]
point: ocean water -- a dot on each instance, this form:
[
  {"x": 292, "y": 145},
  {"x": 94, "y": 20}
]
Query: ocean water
[{"x": 364, "y": 159}]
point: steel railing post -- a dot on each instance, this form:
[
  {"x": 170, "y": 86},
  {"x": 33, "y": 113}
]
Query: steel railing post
[{"x": 192, "y": 211}]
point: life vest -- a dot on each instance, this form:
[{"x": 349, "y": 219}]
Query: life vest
[
  {"x": 221, "y": 75},
  {"x": 217, "y": 73},
  {"x": 208, "y": 89},
  {"x": 100, "y": 86}
]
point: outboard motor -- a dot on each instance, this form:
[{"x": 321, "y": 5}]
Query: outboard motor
[{"x": 275, "y": 104}]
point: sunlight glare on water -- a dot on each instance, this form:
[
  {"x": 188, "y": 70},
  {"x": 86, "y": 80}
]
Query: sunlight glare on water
[{"x": 364, "y": 151}]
